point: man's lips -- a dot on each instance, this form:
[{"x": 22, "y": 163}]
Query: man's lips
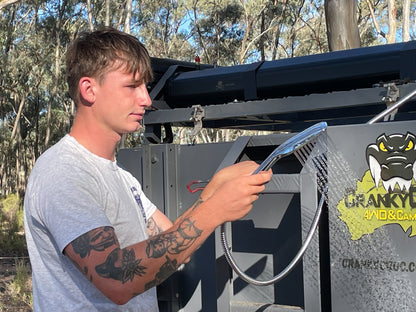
[{"x": 137, "y": 115}]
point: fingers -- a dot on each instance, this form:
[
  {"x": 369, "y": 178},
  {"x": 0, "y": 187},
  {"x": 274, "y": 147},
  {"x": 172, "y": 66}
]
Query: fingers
[
  {"x": 235, "y": 188},
  {"x": 235, "y": 171},
  {"x": 261, "y": 178},
  {"x": 238, "y": 169},
  {"x": 246, "y": 167},
  {"x": 236, "y": 197}
]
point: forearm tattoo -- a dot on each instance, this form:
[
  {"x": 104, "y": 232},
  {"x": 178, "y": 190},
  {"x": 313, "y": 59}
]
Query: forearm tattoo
[
  {"x": 173, "y": 242},
  {"x": 98, "y": 240},
  {"x": 198, "y": 202},
  {"x": 122, "y": 265},
  {"x": 193, "y": 207},
  {"x": 123, "y": 269},
  {"x": 165, "y": 271},
  {"x": 152, "y": 228}
]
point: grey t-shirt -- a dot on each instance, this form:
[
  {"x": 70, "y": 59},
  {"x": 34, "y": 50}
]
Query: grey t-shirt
[{"x": 70, "y": 192}]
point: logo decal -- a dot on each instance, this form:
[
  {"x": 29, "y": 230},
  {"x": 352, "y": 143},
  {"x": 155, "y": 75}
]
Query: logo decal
[
  {"x": 386, "y": 194},
  {"x": 139, "y": 202}
]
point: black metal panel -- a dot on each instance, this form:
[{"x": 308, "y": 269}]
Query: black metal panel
[
  {"x": 336, "y": 71},
  {"x": 211, "y": 86},
  {"x": 293, "y": 113},
  {"x": 321, "y": 73}
]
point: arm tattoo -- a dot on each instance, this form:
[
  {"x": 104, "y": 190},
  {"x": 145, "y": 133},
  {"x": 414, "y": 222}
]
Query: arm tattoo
[
  {"x": 98, "y": 240},
  {"x": 173, "y": 242},
  {"x": 198, "y": 202},
  {"x": 123, "y": 269},
  {"x": 152, "y": 228},
  {"x": 165, "y": 271}
]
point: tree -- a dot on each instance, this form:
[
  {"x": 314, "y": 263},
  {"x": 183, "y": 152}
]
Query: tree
[
  {"x": 5, "y": 3},
  {"x": 216, "y": 29},
  {"x": 406, "y": 20},
  {"x": 392, "y": 12},
  {"x": 342, "y": 27},
  {"x": 160, "y": 25}
]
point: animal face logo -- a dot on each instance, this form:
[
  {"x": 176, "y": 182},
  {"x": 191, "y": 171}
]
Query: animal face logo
[
  {"x": 386, "y": 193},
  {"x": 392, "y": 160}
]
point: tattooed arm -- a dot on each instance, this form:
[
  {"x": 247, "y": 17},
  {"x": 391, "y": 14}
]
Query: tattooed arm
[
  {"x": 157, "y": 223},
  {"x": 121, "y": 274}
]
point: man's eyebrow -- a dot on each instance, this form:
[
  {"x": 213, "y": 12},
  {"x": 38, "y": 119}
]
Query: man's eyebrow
[
  {"x": 135, "y": 81},
  {"x": 139, "y": 80}
]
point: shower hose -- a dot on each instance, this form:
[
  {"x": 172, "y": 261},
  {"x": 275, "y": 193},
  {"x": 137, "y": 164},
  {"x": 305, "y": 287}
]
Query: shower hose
[{"x": 289, "y": 267}]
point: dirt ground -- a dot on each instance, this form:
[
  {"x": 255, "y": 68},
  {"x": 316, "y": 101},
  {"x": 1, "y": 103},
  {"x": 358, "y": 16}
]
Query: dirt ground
[{"x": 9, "y": 300}]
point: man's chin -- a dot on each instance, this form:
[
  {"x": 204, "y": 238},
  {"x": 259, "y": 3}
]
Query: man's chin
[{"x": 133, "y": 129}]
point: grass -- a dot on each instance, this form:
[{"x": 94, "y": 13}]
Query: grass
[
  {"x": 12, "y": 240},
  {"x": 16, "y": 287},
  {"x": 20, "y": 289}
]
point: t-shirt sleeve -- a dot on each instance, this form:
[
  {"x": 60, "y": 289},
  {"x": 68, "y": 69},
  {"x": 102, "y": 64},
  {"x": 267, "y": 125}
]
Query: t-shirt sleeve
[
  {"x": 149, "y": 207},
  {"x": 70, "y": 205}
]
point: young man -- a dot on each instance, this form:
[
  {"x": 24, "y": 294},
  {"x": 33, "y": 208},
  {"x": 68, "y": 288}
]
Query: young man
[{"x": 96, "y": 243}]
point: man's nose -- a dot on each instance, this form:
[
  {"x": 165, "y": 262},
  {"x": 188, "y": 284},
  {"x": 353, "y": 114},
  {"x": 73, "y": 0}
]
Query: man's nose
[{"x": 144, "y": 96}]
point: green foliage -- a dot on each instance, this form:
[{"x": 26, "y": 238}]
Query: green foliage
[
  {"x": 35, "y": 109},
  {"x": 12, "y": 239},
  {"x": 20, "y": 289}
]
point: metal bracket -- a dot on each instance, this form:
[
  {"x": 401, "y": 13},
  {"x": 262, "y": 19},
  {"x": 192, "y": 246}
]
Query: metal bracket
[
  {"x": 197, "y": 115},
  {"x": 393, "y": 93},
  {"x": 153, "y": 133}
]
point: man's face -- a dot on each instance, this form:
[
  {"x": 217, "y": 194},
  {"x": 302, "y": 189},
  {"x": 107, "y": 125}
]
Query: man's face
[{"x": 121, "y": 100}]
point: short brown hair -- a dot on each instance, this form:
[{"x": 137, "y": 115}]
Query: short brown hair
[{"x": 92, "y": 54}]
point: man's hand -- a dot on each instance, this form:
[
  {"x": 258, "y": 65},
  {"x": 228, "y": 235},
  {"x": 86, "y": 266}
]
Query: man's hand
[
  {"x": 229, "y": 173},
  {"x": 234, "y": 191}
]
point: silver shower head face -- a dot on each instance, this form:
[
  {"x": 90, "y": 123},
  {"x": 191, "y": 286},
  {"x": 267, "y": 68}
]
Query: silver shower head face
[{"x": 293, "y": 144}]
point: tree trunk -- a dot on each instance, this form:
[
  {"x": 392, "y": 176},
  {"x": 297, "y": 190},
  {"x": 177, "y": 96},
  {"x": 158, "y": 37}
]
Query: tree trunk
[
  {"x": 406, "y": 20},
  {"x": 128, "y": 16},
  {"x": 89, "y": 10},
  {"x": 261, "y": 41},
  {"x": 55, "y": 89},
  {"x": 5, "y": 3},
  {"x": 16, "y": 127},
  {"x": 373, "y": 17},
  {"x": 3, "y": 167},
  {"x": 107, "y": 12},
  {"x": 276, "y": 37},
  {"x": 217, "y": 39},
  {"x": 243, "y": 50},
  {"x": 391, "y": 36},
  {"x": 342, "y": 27}
]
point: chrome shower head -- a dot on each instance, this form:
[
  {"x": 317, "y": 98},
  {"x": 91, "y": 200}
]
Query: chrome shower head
[{"x": 291, "y": 145}]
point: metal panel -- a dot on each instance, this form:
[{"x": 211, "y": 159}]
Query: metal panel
[
  {"x": 265, "y": 241},
  {"x": 291, "y": 113},
  {"x": 372, "y": 249},
  {"x": 338, "y": 70},
  {"x": 351, "y": 264}
]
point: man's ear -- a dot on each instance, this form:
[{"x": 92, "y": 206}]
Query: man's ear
[{"x": 87, "y": 90}]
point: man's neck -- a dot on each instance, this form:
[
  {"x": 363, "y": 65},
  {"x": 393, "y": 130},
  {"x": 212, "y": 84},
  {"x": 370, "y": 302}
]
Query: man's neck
[{"x": 94, "y": 139}]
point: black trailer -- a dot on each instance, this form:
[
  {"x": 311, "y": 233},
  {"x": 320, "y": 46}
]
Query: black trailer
[{"x": 362, "y": 255}]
